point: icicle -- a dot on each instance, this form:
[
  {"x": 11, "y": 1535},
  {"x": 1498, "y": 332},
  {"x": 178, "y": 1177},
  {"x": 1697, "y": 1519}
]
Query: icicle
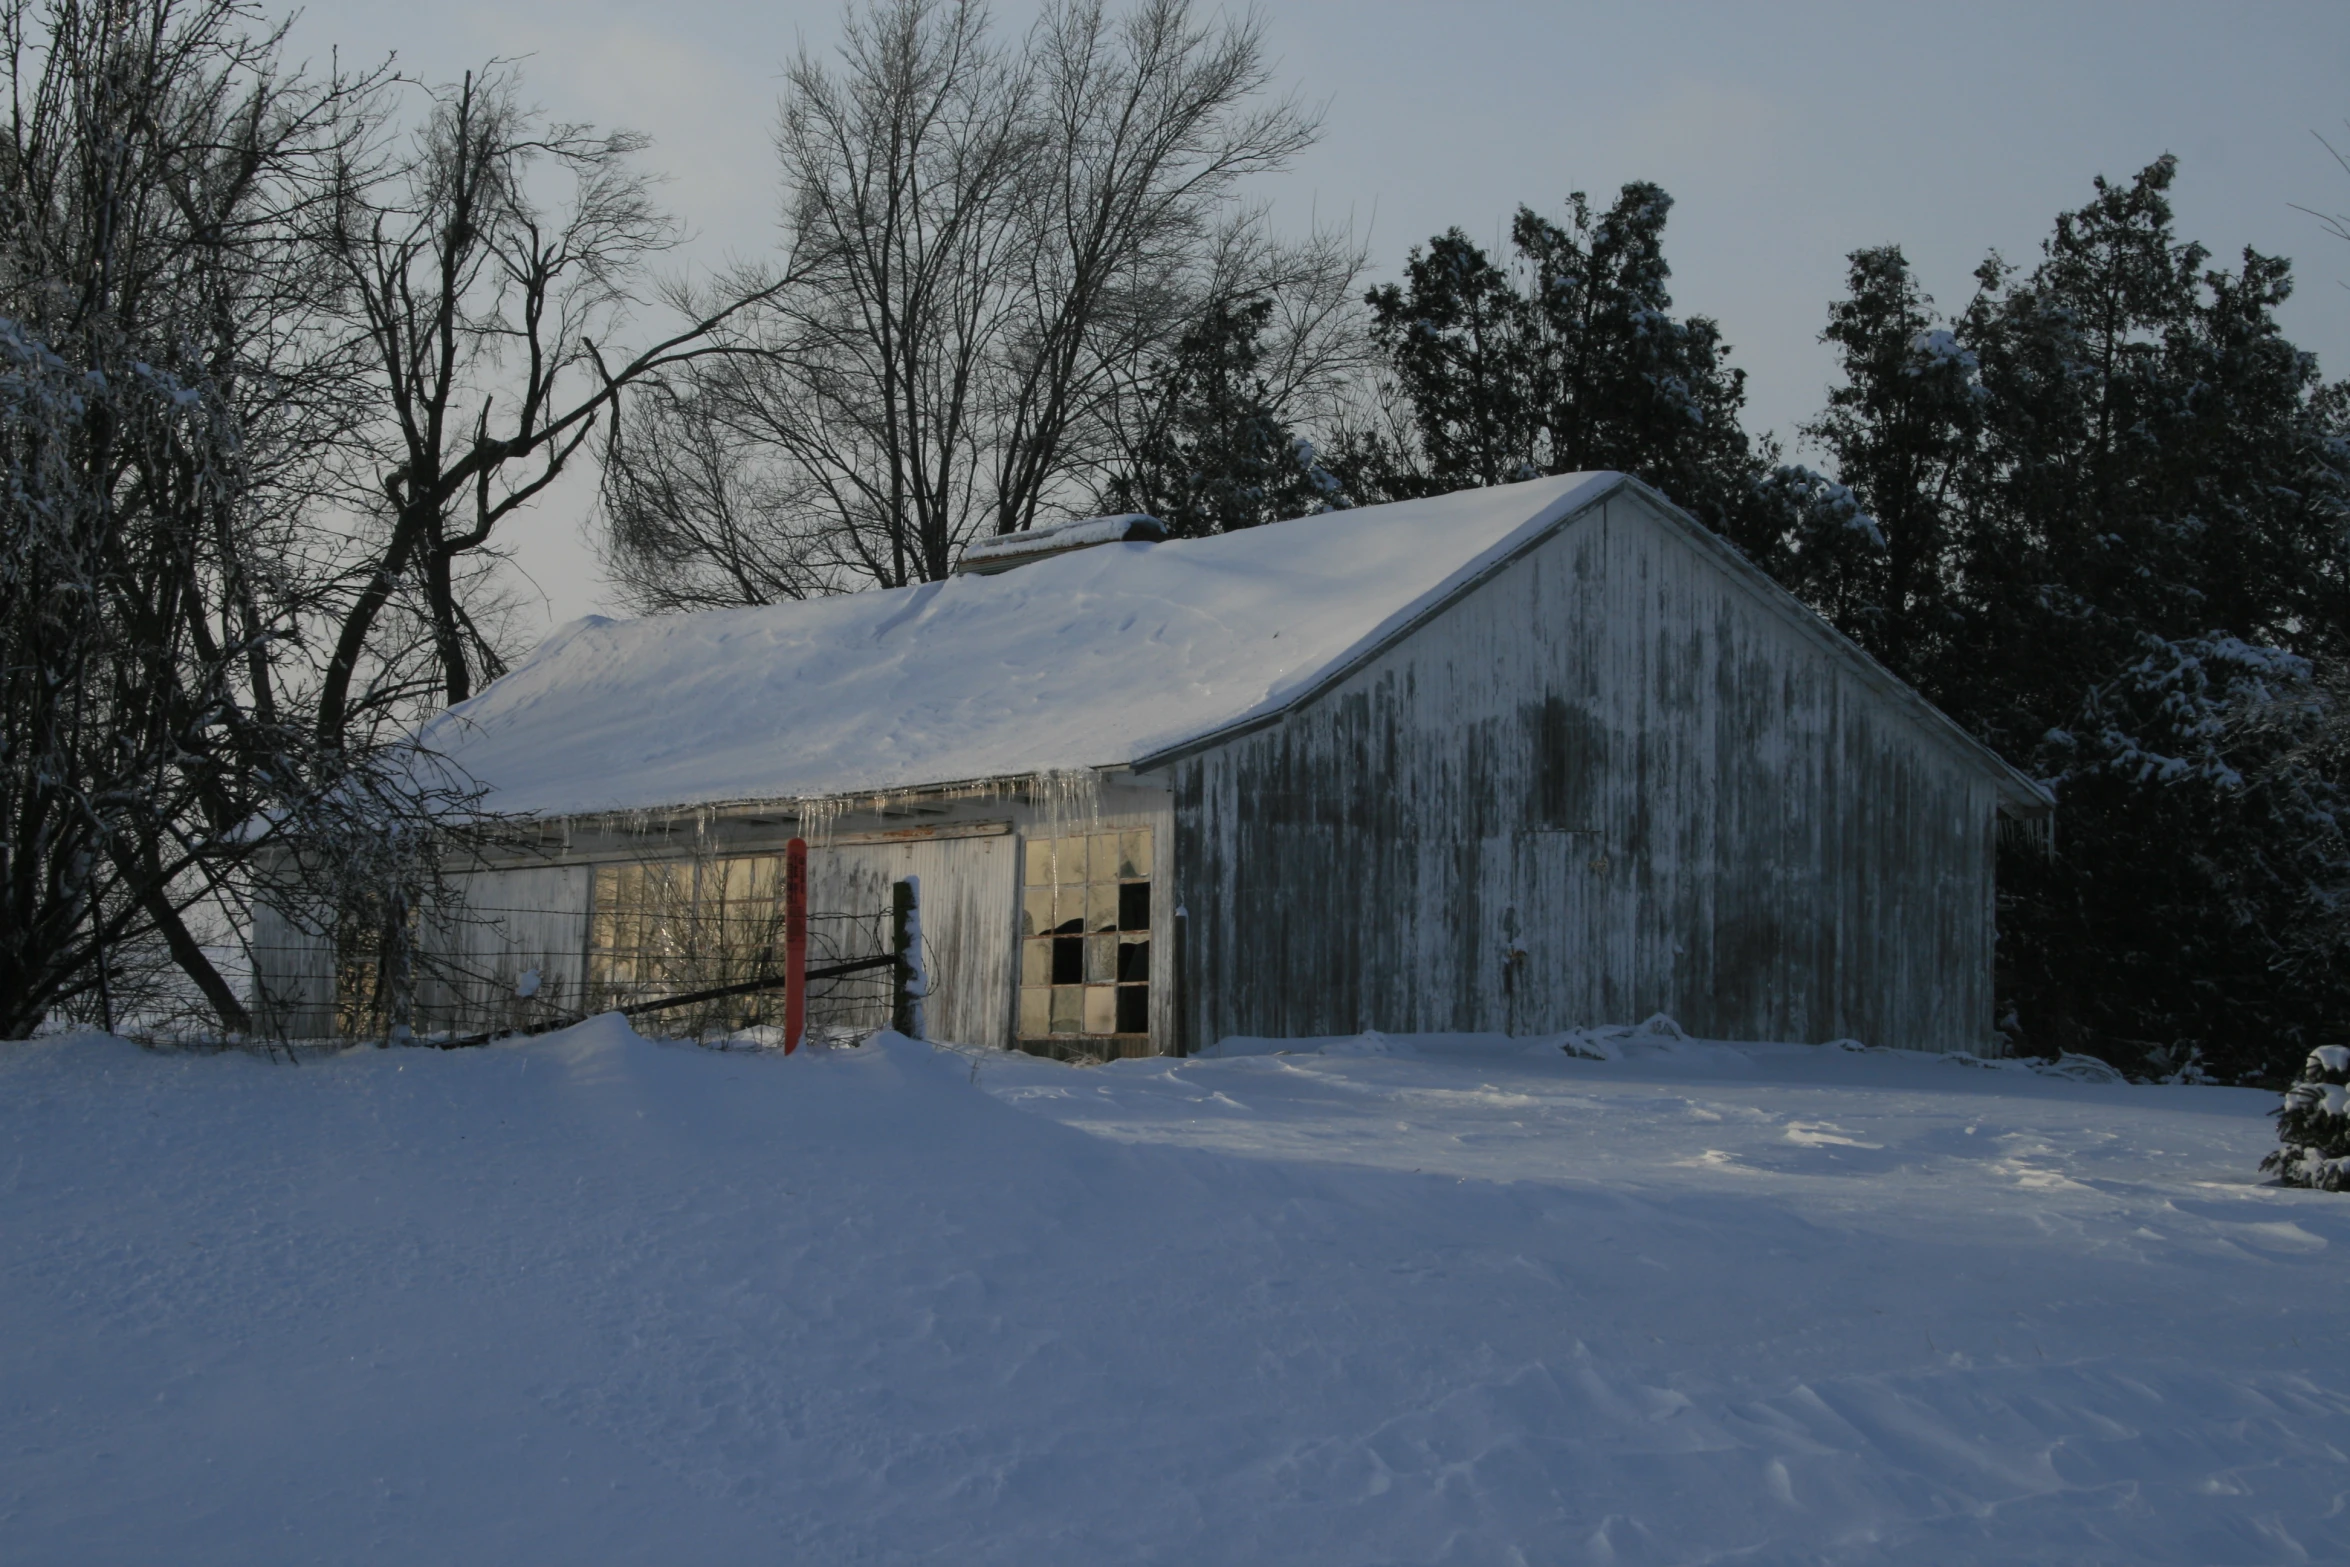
[
  {"x": 817, "y": 815},
  {"x": 1068, "y": 795}
]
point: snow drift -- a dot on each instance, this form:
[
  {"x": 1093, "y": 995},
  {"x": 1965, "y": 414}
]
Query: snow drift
[{"x": 592, "y": 1299}]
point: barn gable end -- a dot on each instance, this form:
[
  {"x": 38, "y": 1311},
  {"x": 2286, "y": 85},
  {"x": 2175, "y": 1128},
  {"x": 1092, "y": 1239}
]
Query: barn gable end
[{"x": 1611, "y": 777}]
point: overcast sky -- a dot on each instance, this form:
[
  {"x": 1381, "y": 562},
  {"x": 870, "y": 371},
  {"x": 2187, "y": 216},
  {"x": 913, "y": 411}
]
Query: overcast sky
[{"x": 1789, "y": 134}]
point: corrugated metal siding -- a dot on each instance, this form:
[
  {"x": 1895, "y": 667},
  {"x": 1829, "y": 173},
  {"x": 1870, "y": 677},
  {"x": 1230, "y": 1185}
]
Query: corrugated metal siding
[
  {"x": 507, "y": 923},
  {"x": 1615, "y": 759},
  {"x": 293, "y": 979},
  {"x": 970, "y": 901}
]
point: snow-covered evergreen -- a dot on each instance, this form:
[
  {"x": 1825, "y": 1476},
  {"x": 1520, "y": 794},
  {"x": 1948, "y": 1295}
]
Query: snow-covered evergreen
[{"x": 2313, "y": 1124}]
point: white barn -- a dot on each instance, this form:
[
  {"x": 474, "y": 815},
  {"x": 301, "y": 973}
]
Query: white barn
[{"x": 1513, "y": 759}]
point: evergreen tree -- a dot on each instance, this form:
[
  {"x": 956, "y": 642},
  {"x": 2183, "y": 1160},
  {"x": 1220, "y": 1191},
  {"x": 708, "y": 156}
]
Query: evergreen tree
[
  {"x": 1214, "y": 453},
  {"x": 2313, "y": 1125},
  {"x": 1458, "y": 341},
  {"x": 2099, "y": 519},
  {"x": 1570, "y": 358},
  {"x": 1874, "y": 552}
]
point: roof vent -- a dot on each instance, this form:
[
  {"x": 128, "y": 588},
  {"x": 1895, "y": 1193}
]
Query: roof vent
[{"x": 1006, "y": 550}]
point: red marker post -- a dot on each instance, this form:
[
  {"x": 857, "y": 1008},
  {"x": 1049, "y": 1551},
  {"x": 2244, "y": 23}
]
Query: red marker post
[{"x": 795, "y": 943}]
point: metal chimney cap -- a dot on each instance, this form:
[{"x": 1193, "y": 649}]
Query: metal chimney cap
[{"x": 1006, "y": 550}]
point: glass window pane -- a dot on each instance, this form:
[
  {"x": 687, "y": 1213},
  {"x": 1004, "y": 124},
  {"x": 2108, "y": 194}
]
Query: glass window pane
[
  {"x": 1134, "y": 852},
  {"x": 1064, "y": 860},
  {"x": 1069, "y": 909},
  {"x": 1036, "y": 911},
  {"x": 1101, "y": 959},
  {"x": 1066, "y": 1005},
  {"x": 1036, "y": 1013},
  {"x": 1101, "y": 1009},
  {"x": 1040, "y": 862},
  {"x": 1101, "y": 906},
  {"x": 1134, "y": 959},
  {"x": 1036, "y": 962}
]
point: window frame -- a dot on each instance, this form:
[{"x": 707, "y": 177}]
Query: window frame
[{"x": 1087, "y": 993}]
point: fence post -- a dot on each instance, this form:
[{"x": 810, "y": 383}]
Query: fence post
[
  {"x": 905, "y": 928},
  {"x": 795, "y": 943}
]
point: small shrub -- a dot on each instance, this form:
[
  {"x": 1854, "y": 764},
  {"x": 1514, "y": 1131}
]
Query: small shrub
[{"x": 2313, "y": 1124}]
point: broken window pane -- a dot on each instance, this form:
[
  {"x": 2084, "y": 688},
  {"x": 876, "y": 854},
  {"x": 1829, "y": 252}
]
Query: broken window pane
[
  {"x": 1069, "y": 910},
  {"x": 1134, "y": 1009},
  {"x": 1102, "y": 901},
  {"x": 1134, "y": 905},
  {"x": 1068, "y": 960},
  {"x": 1036, "y": 911},
  {"x": 1134, "y": 853},
  {"x": 1134, "y": 960}
]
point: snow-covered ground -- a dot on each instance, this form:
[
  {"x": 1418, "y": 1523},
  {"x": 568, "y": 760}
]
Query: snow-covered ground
[{"x": 590, "y": 1299}]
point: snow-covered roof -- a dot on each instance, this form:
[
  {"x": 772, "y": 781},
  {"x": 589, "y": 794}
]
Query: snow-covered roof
[{"x": 1095, "y": 658}]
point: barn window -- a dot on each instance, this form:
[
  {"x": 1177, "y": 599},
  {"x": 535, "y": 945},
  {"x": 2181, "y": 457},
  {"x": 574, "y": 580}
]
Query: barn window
[
  {"x": 667, "y": 927},
  {"x": 1085, "y": 945}
]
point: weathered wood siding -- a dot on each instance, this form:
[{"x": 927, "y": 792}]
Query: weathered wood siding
[{"x": 1612, "y": 780}]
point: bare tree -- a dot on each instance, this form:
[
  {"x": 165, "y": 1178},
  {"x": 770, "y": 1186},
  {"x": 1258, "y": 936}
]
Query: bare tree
[
  {"x": 988, "y": 247},
  {"x": 699, "y": 513},
  {"x": 1149, "y": 121},
  {"x": 906, "y": 176},
  {"x": 169, "y": 367},
  {"x": 484, "y": 305}
]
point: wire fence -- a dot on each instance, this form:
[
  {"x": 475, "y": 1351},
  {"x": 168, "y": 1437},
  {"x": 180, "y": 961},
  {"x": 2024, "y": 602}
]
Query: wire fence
[{"x": 490, "y": 969}]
